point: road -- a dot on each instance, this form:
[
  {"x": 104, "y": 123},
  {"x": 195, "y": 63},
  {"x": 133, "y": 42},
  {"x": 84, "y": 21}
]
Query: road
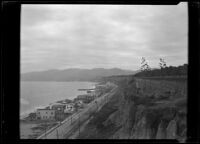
[{"x": 62, "y": 130}]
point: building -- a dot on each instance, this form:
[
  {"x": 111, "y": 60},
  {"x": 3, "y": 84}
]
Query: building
[
  {"x": 85, "y": 98},
  {"x": 58, "y": 107},
  {"x": 91, "y": 93},
  {"x": 81, "y": 97},
  {"x": 79, "y": 103},
  {"x": 59, "y": 110},
  {"x": 69, "y": 108},
  {"x": 45, "y": 114}
]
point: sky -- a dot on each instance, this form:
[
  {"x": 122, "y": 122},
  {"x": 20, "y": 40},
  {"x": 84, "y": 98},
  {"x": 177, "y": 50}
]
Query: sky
[{"x": 102, "y": 36}]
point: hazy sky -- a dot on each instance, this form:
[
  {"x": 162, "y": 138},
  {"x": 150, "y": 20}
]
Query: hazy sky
[{"x": 91, "y": 36}]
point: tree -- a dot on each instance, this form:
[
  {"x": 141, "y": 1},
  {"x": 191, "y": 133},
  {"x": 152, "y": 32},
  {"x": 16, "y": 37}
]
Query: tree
[
  {"x": 144, "y": 65},
  {"x": 163, "y": 66},
  {"x": 162, "y": 63}
]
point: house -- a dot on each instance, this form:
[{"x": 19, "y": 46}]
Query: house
[
  {"x": 45, "y": 114},
  {"x": 85, "y": 98},
  {"x": 91, "y": 93},
  {"x": 58, "y": 107},
  {"x": 69, "y": 108},
  {"x": 81, "y": 97},
  {"x": 79, "y": 103},
  {"x": 59, "y": 110}
]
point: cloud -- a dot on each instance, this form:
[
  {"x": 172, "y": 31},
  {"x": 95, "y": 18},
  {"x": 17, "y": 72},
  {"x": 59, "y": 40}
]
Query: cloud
[{"x": 88, "y": 36}]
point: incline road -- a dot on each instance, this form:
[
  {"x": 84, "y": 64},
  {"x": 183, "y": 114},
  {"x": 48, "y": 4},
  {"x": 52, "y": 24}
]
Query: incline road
[{"x": 64, "y": 128}]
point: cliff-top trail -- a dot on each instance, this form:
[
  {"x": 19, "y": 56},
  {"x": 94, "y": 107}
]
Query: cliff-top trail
[{"x": 141, "y": 109}]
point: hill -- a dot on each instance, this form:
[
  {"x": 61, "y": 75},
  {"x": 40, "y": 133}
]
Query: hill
[{"x": 74, "y": 74}]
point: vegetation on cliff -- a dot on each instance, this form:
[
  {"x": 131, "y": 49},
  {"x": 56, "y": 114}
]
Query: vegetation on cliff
[
  {"x": 166, "y": 71},
  {"x": 156, "y": 111}
]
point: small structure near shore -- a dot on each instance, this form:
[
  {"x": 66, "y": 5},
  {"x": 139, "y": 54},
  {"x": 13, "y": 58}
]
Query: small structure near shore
[
  {"x": 79, "y": 103},
  {"x": 69, "y": 108},
  {"x": 91, "y": 93},
  {"x": 45, "y": 114},
  {"x": 59, "y": 110},
  {"x": 85, "y": 98},
  {"x": 58, "y": 107}
]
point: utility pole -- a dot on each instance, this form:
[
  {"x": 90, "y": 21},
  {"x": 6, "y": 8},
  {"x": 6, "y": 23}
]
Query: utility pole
[
  {"x": 71, "y": 119},
  {"x": 79, "y": 124},
  {"x": 45, "y": 130},
  {"x": 57, "y": 133},
  {"x": 119, "y": 113}
]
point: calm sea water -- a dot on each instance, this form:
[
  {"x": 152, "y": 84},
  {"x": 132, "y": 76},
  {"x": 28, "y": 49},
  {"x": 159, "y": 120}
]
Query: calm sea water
[{"x": 39, "y": 94}]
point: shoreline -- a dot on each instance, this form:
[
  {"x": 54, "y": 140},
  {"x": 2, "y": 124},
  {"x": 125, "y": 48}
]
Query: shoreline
[
  {"x": 33, "y": 128},
  {"x": 25, "y": 114}
]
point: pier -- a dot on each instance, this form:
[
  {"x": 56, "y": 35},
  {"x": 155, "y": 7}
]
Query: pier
[{"x": 85, "y": 89}]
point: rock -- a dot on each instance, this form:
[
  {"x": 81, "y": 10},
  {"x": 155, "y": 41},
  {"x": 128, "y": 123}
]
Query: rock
[
  {"x": 161, "y": 133},
  {"x": 122, "y": 133},
  {"x": 171, "y": 130},
  {"x": 140, "y": 130}
]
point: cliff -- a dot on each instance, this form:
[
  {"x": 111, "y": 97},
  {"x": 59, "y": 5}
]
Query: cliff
[{"x": 142, "y": 109}]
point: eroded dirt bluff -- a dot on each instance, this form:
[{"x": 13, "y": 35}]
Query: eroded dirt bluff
[{"x": 141, "y": 109}]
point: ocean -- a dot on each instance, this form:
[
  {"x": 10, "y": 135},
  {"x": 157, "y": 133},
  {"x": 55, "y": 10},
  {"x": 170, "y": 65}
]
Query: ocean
[{"x": 39, "y": 94}]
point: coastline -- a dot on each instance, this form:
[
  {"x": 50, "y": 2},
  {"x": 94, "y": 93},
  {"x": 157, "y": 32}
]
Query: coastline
[
  {"x": 24, "y": 112},
  {"x": 31, "y": 129}
]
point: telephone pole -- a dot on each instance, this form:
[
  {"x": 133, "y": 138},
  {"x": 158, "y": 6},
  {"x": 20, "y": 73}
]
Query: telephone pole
[
  {"x": 79, "y": 124},
  {"x": 57, "y": 133},
  {"x": 45, "y": 130},
  {"x": 71, "y": 119}
]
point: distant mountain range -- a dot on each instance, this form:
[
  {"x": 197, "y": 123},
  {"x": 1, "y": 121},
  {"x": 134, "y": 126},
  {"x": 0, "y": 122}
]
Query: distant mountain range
[{"x": 74, "y": 74}]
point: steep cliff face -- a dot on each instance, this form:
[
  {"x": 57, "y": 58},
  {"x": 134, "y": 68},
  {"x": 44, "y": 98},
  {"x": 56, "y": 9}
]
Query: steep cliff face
[
  {"x": 151, "y": 110},
  {"x": 141, "y": 109}
]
